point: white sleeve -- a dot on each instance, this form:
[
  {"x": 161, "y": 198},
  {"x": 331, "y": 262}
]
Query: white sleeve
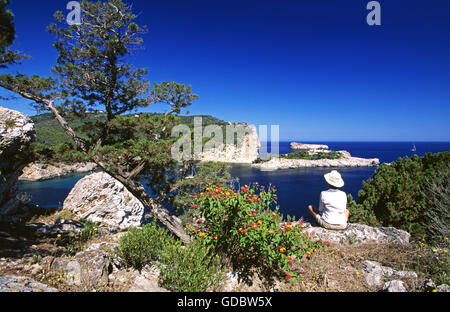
[{"x": 321, "y": 206}]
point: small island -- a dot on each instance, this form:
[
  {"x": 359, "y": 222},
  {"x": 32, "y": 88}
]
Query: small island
[{"x": 314, "y": 158}]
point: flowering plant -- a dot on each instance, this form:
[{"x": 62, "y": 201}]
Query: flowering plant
[{"x": 247, "y": 223}]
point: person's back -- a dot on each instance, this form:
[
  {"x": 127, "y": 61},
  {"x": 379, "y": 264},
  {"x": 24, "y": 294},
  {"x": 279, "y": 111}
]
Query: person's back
[
  {"x": 333, "y": 213},
  {"x": 333, "y": 206}
]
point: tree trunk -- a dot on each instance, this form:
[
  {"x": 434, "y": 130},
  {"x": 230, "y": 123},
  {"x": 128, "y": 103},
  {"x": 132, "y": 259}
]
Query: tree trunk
[{"x": 172, "y": 223}]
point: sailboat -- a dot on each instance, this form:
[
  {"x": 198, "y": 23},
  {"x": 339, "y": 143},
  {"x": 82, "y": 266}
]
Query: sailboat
[{"x": 414, "y": 148}]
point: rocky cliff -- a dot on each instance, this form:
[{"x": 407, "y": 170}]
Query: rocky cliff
[
  {"x": 245, "y": 149},
  {"x": 16, "y": 135}
]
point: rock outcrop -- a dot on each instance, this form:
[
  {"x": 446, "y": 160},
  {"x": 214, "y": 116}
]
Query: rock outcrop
[
  {"x": 245, "y": 149},
  {"x": 16, "y": 135},
  {"x": 88, "y": 268},
  {"x": 302, "y": 146},
  {"x": 101, "y": 198},
  {"x": 358, "y": 234},
  {"x": 375, "y": 274},
  {"x": 12, "y": 283},
  {"x": 345, "y": 161},
  {"x": 41, "y": 171}
]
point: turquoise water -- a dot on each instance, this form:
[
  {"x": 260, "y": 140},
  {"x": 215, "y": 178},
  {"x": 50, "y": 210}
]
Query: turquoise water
[{"x": 297, "y": 188}]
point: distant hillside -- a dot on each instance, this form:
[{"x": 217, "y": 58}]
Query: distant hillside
[{"x": 50, "y": 133}]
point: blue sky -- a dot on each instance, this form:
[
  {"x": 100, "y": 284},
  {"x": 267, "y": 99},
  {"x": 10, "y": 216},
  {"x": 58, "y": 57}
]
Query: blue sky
[{"x": 313, "y": 67}]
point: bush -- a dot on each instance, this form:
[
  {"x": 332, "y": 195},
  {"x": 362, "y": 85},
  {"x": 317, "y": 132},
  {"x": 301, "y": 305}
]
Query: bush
[
  {"x": 436, "y": 216},
  {"x": 314, "y": 156},
  {"x": 396, "y": 196},
  {"x": 140, "y": 247},
  {"x": 190, "y": 269},
  {"x": 246, "y": 227}
]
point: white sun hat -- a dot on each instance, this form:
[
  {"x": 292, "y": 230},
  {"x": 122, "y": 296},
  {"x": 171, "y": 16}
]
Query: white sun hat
[{"x": 334, "y": 179}]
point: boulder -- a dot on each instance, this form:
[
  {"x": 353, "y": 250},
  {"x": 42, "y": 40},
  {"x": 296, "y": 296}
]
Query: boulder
[
  {"x": 375, "y": 273},
  {"x": 359, "y": 234},
  {"x": 12, "y": 283},
  {"x": 88, "y": 268},
  {"x": 141, "y": 284},
  {"x": 394, "y": 286},
  {"x": 16, "y": 135},
  {"x": 101, "y": 198}
]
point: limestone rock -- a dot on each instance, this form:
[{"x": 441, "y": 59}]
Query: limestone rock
[
  {"x": 394, "y": 286},
  {"x": 359, "y": 234},
  {"x": 41, "y": 171},
  {"x": 16, "y": 135},
  {"x": 443, "y": 288},
  {"x": 141, "y": 284},
  {"x": 88, "y": 268},
  {"x": 12, "y": 283},
  {"x": 101, "y": 198},
  {"x": 375, "y": 273}
]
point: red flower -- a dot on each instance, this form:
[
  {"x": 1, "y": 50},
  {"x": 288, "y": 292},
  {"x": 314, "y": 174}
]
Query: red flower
[
  {"x": 225, "y": 216},
  {"x": 288, "y": 277},
  {"x": 195, "y": 206}
]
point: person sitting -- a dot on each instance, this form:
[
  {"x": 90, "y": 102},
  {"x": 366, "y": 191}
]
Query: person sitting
[{"x": 333, "y": 213}]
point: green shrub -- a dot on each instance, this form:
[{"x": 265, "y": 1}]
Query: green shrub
[
  {"x": 436, "y": 216},
  {"x": 140, "y": 247},
  {"x": 192, "y": 268},
  {"x": 315, "y": 156},
  {"x": 395, "y": 195}
]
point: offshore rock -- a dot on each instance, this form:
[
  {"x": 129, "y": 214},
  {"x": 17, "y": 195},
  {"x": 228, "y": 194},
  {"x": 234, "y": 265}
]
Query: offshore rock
[
  {"x": 101, "y": 198},
  {"x": 302, "y": 146}
]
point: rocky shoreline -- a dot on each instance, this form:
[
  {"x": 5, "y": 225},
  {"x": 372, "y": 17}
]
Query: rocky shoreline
[
  {"x": 345, "y": 161},
  {"x": 38, "y": 171}
]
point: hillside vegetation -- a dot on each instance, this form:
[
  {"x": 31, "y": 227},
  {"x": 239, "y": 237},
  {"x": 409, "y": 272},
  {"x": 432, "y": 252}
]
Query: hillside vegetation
[{"x": 53, "y": 144}]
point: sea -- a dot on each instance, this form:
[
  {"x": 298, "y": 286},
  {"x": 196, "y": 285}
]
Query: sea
[{"x": 296, "y": 188}]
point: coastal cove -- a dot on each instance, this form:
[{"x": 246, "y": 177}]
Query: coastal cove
[{"x": 296, "y": 187}]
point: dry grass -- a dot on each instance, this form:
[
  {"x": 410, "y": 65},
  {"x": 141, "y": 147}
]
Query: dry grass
[{"x": 339, "y": 268}]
